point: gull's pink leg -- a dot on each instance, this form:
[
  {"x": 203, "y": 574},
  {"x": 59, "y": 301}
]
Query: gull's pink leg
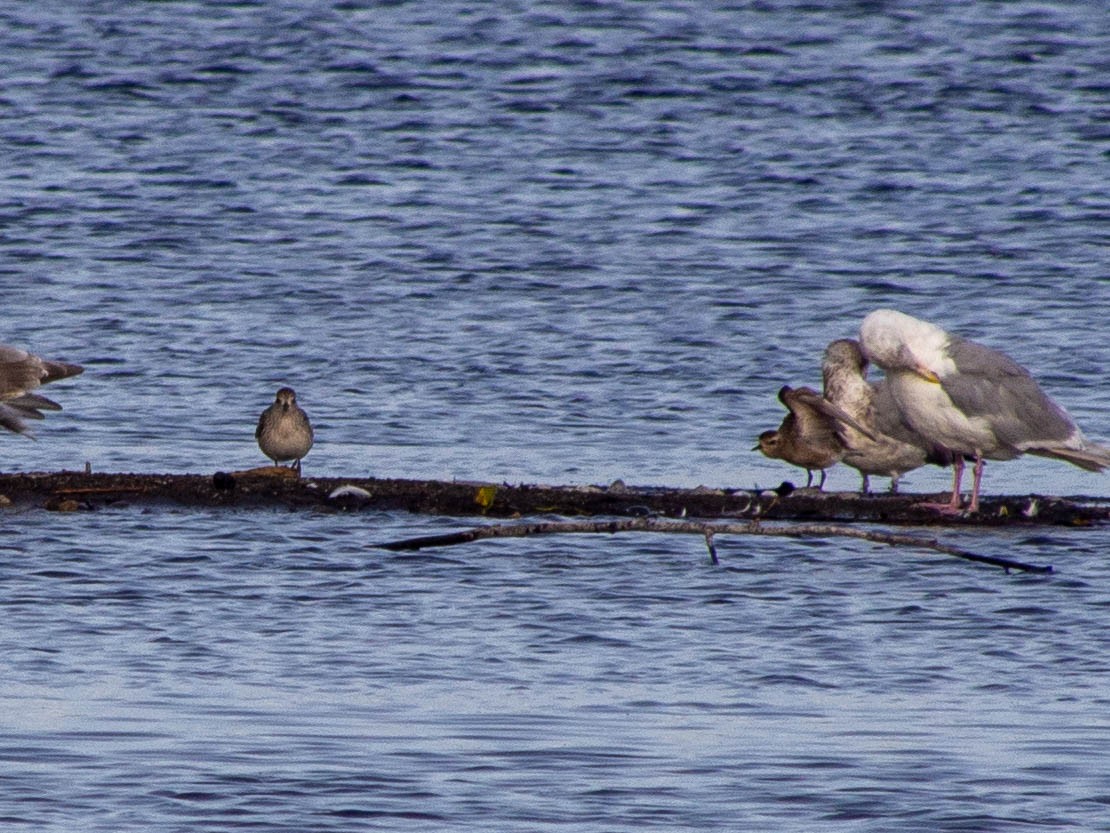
[
  {"x": 954, "y": 503},
  {"x": 978, "y": 473},
  {"x": 953, "y": 506}
]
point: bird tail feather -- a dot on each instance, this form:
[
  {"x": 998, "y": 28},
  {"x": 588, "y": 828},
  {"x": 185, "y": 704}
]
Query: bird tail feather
[
  {"x": 60, "y": 370},
  {"x": 1090, "y": 456},
  {"x": 12, "y": 419}
]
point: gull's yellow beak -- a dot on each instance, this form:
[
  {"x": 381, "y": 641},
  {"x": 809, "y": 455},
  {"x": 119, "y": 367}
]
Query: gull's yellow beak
[{"x": 926, "y": 374}]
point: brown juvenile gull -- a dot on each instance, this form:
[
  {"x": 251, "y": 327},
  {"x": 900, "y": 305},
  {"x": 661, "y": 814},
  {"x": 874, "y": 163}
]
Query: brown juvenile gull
[
  {"x": 284, "y": 432},
  {"x": 807, "y": 436},
  {"x": 970, "y": 400},
  {"x": 20, "y": 373},
  {"x": 894, "y": 448}
]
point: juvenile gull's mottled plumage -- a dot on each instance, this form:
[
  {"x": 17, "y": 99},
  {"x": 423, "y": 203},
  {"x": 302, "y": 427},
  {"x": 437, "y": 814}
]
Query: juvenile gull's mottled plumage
[
  {"x": 284, "y": 432},
  {"x": 894, "y": 448},
  {"x": 807, "y": 436},
  {"x": 970, "y": 400},
  {"x": 20, "y": 373}
]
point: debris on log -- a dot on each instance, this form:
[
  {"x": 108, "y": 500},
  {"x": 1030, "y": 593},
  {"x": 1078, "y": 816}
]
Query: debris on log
[{"x": 277, "y": 487}]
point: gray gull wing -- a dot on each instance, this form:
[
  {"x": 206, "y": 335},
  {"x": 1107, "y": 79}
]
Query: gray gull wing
[{"x": 992, "y": 386}]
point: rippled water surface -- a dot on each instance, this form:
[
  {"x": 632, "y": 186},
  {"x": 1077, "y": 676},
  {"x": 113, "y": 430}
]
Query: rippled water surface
[{"x": 539, "y": 242}]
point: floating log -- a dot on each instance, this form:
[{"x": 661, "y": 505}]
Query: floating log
[{"x": 276, "y": 487}]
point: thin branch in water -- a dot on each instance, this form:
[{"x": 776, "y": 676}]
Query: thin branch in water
[
  {"x": 708, "y": 531},
  {"x": 711, "y": 547}
]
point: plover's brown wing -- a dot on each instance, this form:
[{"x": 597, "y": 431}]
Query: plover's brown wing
[
  {"x": 261, "y": 423},
  {"x": 32, "y": 403},
  {"x": 28, "y": 406},
  {"x": 12, "y": 419},
  {"x": 809, "y": 398},
  {"x": 21, "y": 371},
  {"x": 56, "y": 370}
]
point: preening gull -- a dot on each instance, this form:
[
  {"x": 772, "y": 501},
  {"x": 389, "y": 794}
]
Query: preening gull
[
  {"x": 970, "y": 400},
  {"x": 20, "y": 373},
  {"x": 894, "y": 448},
  {"x": 284, "y": 432},
  {"x": 807, "y": 436}
]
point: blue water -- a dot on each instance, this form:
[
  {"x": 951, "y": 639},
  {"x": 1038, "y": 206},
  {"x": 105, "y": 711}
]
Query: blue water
[{"x": 539, "y": 242}]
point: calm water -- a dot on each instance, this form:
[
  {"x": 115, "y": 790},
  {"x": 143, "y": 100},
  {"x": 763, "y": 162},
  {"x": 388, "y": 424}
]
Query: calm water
[{"x": 539, "y": 242}]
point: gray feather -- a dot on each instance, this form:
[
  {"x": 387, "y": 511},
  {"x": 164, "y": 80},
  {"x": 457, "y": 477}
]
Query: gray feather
[{"x": 992, "y": 386}]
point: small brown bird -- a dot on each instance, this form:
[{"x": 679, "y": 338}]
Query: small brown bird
[
  {"x": 808, "y": 435},
  {"x": 20, "y": 373},
  {"x": 284, "y": 432}
]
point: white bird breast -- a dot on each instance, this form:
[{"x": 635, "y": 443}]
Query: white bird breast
[{"x": 931, "y": 412}]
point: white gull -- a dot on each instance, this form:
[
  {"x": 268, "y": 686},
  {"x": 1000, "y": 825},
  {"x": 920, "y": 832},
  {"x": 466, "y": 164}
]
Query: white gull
[{"x": 970, "y": 400}]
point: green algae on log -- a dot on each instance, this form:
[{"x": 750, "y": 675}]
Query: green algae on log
[{"x": 280, "y": 488}]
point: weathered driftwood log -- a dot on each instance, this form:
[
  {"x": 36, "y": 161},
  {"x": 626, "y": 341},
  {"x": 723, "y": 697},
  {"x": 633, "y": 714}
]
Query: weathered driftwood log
[
  {"x": 280, "y": 488},
  {"x": 707, "y": 530}
]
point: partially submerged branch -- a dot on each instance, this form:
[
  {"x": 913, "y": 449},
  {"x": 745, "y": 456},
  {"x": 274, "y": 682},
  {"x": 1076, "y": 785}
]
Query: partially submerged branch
[{"x": 708, "y": 530}]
